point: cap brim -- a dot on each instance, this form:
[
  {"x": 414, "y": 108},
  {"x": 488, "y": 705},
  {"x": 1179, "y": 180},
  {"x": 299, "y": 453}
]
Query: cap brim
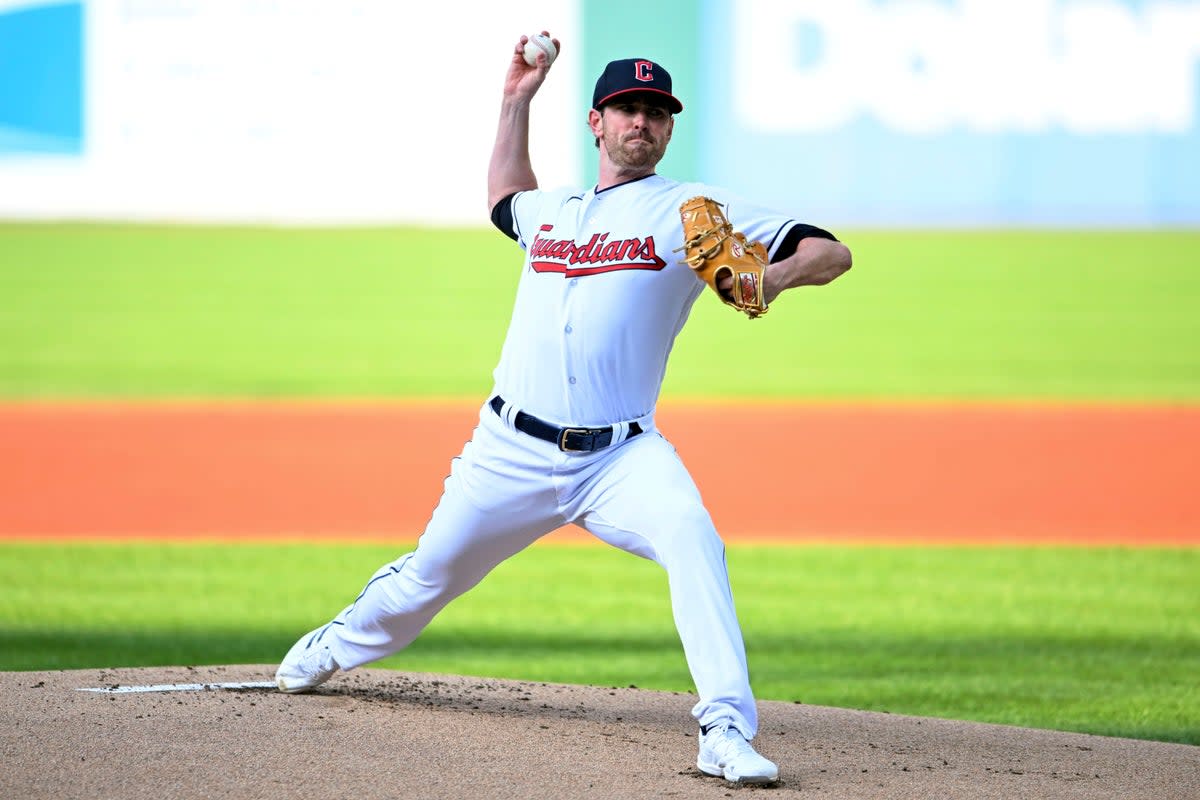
[{"x": 672, "y": 102}]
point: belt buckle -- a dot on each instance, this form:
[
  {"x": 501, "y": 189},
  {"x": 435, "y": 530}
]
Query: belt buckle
[{"x": 593, "y": 433}]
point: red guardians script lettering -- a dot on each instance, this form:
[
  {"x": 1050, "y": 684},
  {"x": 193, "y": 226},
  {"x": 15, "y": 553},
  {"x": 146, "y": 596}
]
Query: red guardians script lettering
[{"x": 598, "y": 254}]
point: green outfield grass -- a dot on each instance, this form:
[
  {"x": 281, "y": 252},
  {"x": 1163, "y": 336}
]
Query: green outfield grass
[
  {"x": 1104, "y": 641},
  {"x": 144, "y": 311}
]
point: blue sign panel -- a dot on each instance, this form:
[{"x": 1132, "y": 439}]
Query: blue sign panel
[{"x": 41, "y": 79}]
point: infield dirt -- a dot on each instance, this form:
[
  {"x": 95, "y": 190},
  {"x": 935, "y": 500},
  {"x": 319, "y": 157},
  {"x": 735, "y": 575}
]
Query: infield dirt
[{"x": 375, "y": 734}]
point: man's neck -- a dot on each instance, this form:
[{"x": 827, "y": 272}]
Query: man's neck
[{"x": 613, "y": 176}]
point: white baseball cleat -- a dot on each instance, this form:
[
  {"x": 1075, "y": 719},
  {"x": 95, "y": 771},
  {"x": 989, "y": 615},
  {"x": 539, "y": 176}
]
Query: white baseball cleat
[
  {"x": 307, "y": 665},
  {"x": 725, "y": 753}
]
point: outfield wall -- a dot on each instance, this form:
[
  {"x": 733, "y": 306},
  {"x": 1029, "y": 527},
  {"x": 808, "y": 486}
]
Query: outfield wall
[{"x": 860, "y": 112}]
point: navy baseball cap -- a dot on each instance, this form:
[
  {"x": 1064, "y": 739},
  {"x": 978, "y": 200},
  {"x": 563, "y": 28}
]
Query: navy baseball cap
[{"x": 631, "y": 75}]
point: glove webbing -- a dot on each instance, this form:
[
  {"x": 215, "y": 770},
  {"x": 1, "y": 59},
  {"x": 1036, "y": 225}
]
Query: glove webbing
[{"x": 703, "y": 255}]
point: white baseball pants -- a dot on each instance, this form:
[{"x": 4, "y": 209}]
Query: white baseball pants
[{"x": 506, "y": 490}]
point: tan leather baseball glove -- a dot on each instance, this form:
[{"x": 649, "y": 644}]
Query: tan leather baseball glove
[{"x": 713, "y": 249}]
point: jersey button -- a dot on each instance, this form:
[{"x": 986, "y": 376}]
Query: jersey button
[
  {"x": 568, "y": 329},
  {"x": 571, "y": 380}
]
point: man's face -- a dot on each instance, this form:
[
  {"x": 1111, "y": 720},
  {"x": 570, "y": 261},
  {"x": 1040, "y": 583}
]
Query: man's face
[{"x": 634, "y": 131}]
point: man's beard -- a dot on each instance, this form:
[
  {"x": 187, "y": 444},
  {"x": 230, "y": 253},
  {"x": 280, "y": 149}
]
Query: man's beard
[{"x": 646, "y": 155}]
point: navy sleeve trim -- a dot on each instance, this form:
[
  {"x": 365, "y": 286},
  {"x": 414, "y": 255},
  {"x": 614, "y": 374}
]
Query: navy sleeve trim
[
  {"x": 502, "y": 217},
  {"x": 793, "y": 237}
]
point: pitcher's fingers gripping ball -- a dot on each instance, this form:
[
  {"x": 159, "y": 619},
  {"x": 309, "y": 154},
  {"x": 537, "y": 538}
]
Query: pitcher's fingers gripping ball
[
  {"x": 714, "y": 250},
  {"x": 540, "y": 43}
]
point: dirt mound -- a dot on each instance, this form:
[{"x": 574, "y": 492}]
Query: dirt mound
[{"x": 382, "y": 734}]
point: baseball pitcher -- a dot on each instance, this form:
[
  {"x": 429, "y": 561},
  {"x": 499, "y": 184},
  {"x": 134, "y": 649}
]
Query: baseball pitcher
[{"x": 568, "y": 433}]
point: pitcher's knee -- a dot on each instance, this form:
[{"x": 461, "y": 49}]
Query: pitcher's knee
[
  {"x": 413, "y": 586},
  {"x": 692, "y": 533}
]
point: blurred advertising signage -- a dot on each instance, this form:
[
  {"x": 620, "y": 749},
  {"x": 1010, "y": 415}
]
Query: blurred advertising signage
[
  {"x": 1088, "y": 67},
  {"x": 41, "y": 78}
]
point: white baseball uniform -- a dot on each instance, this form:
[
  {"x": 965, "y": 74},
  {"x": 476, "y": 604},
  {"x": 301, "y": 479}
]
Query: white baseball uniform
[{"x": 600, "y": 301}]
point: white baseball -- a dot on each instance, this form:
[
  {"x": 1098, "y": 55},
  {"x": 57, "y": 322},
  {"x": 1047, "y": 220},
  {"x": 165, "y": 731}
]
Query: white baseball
[{"x": 540, "y": 43}]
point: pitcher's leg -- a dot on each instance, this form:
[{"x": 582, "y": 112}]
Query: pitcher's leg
[
  {"x": 646, "y": 503},
  {"x": 461, "y": 544},
  {"x": 497, "y": 500}
]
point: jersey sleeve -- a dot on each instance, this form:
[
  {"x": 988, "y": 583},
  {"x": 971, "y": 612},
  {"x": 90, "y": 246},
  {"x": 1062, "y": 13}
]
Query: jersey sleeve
[
  {"x": 779, "y": 233},
  {"x": 793, "y": 237},
  {"x": 515, "y": 215}
]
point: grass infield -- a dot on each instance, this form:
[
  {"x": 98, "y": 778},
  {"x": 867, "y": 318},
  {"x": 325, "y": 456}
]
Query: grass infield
[
  {"x": 159, "y": 311},
  {"x": 1103, "y": 641}
]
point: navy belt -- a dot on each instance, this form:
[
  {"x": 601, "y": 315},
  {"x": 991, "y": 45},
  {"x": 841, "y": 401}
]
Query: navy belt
[{"x": 570, "y": 440}]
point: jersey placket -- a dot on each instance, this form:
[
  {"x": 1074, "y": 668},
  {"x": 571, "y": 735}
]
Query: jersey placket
[{"x": 574, "y": 367}]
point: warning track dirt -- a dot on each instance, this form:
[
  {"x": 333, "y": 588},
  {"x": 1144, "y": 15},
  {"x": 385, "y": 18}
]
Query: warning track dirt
[{"x": 905, "y": 473}]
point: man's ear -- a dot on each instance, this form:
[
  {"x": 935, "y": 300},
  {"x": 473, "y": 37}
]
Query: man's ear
[{"x": 595, "y": 121}]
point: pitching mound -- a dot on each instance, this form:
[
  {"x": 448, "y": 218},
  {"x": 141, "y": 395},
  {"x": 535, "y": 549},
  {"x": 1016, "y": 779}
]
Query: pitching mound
[{"x": 172, "y": 732}]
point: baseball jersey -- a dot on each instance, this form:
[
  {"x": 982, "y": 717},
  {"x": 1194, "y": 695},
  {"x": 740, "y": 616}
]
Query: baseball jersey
[{"x": 602, "y": 296}]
